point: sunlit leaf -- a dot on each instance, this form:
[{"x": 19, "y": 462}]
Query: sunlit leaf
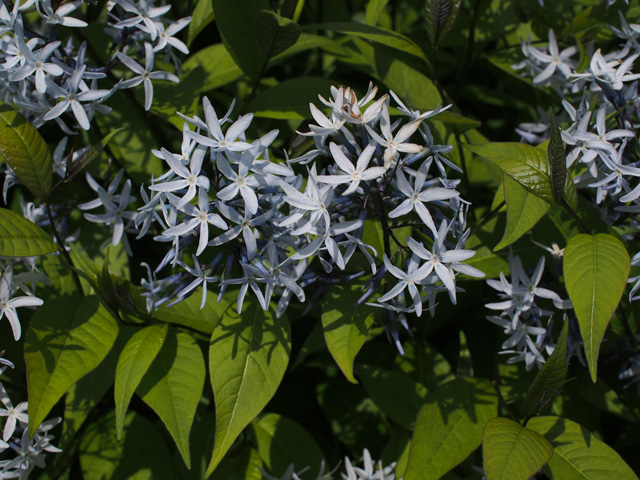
[{"x": 20, "y": 237}]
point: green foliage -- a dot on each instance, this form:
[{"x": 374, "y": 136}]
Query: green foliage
[
  {"x": 577, "y": 453},
  {"x": 275, "y": 33},
  {"x": 21, "y": 238},
  {"x": 67, "y": 338},
  {"x": 24, "y": 149},
  {"x": 511, "y": 451},
  {"x": 449, "y": 427},
  {"x": 439, "y": 16},
  {"x": 596, "y": 269},
  {"x": 248, "y": 355},
  {"x": 346, "y": 326}
]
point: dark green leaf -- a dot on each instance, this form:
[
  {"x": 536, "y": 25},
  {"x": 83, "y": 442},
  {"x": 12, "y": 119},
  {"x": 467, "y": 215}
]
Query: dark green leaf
[
  {"x": 25, "y": 151},
  {"x": 439, "y": 16},
  {"x": 67, "y": 338},
  {"x": 288, "y": 9},
  {"x": 89, "y": 156},
  {"x": 346, "y": 325},
  {"x": 449, "y": 427},
  {"x": 596, "y": 269},
  {"x": 173, "y": 385},
  {"x": 557, "y": 161},
  {"x": 578, "y": 454},
  {"x": 248, "y": 355},
  {"x": 275, "y": 33},
  {"x": 550, "y": 380},
  {"x": 512, "y": 452},
  {"x": 20, "y": 237},
  {"x": 202, "y": 16},
  {"x": 373, "y": 11}
]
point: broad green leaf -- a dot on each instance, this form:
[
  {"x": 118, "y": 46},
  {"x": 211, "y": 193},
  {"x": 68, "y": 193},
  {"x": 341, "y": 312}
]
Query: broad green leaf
[
  {"x": 89, "y": 390},
  {"x": 346, "y": 325},
  {"x": 596, "y": 269},
  {"x": 236, "y": 24},
  {"x": 133, "y": 363},
  {"x": 527, "y": 165},
  {"x": 397, "y": 450},
  {"x": 449, "y": 426},
  {"x": 173, "y": 384},
  {"x": 67, "y": 338},
  {"x": 439, "y": 16},
  {"x": 557, "y": 160},
  {"x": 201, "y": 17},
  {"x": 424, "y": 364},
  {"x": 396, "y": 394},
  {"x": 379, "y": 35},
  {"x": 373, "y": 11},
  {"x": 550, "y": 380},
  {"x": 141, "y": 454},
  {"x": 89, "y": 156},
  {"x": 275, "y": 33},
  {"x": 216, "y": 64},
  {"x": 290, "y": 99},
  {"x": 512, "y": 452},
  {"x": 523, "y": 211},
  {"x": 20, "y": 237},
  {"x": 281, "y": 442},
  {"x": 414, "y": 88},
  {"x": 457, "y": 122},
  {"x": 188, "y": 313},
  {"x": 248, "y": 355},
  {"x": 578, "y": 454},
  {"x": 25, "y": 151}
]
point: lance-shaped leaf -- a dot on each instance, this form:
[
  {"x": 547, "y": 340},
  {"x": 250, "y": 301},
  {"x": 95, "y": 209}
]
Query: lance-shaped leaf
[
  {"x": 512, "y": 452},
  {"x": 134, "y": 361},
  {"x": 373, "y": 11},
  {"x": 89, "y": 156},
  {"x": 550, "y": 380},
  {"x": 346, "y": 325},
  {"x": 172, "y": 386},
  {"x": 524, "y": 209},
  {"x": 25, "y": 151},
  {"x": 439, "y": 18},
  {"x": 20, "y": 237},
  {"x": 528, "y": 166},
  {"x": 275, "y": 33},
  {"x": 557, "y": 161},
  {"x": 579, "y": 454},
  {"x": 248, "y": 355},
  {"x": 67, "y": 338},
  {"x": 449, "y": 427},
  {"x": 596, "y": 269}
]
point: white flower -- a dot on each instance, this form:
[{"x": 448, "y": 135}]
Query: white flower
[
  {"x": 8, "y": 305},
  {"x": 354, "y": 175}
]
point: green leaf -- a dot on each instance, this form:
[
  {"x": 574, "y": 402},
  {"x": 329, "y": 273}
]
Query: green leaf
[
  {"x": 89, "y": 156},
  {"x": 396, "y": 394},
  {"x": 373, "y": 11},
  {"x": 281, "y": 442},
  {"x": 577, "y": 453},
  {"x": 596, "y": 269},
  {"x": 275, "y": 33},
  {"x": 424, "y": 364},
  {"x": 142, "y": 453},
  {"x": 248, "y": 356},
  {"x": 235, "y": 22},
  {"x": 67, "y": 338},
  {"x": 378, "y": 35},
  {"x": 172, "y": 386},
  {"x": 449, "y": 427},
  {"x": 289, "y": 8},
  {"x": 523, "y": 211},
  {"x": 25, "y": 151},
  {"x": 528, "y": 166},
  {"x": 414, "y": 88},
  {"x": 20, "y": 237},
  {"x": 201, "y": 17},
  {"x": 439, "y": 18},
  {"x": 346, "y": 325},
  {"x": 216, "y": 64},
  {"x": 188, "y": 313},
  {"x": 290, "y": 99},
  {"x": 550, "y": 380},
  {"x": 557, "y": 161},
  {"x": 512, "y": 452},
  {"x": 133, "y": 363}
]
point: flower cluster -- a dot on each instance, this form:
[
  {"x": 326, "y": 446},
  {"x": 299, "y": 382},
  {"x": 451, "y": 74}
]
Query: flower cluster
[{"x": 289, "y": 224}]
